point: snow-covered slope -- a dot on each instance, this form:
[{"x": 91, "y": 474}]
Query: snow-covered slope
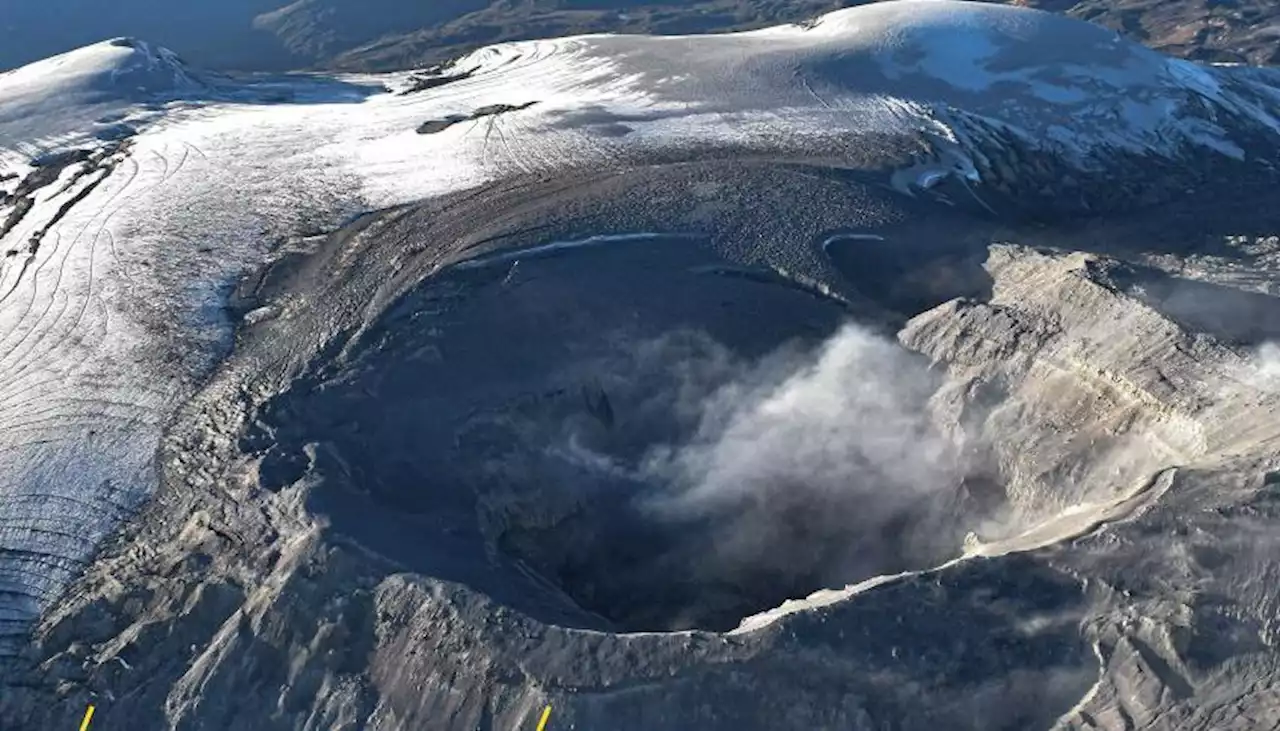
[
  {"x": 121, "y": 68},
  {"x": 116, "y": 258},
  {"x": 1069, "y": 84},
  {"x": 83, "y": 93},
  {"x": 889, "y": 68}
]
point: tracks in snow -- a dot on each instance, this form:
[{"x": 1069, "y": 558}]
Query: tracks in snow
[{"x": 79, "y": 411}]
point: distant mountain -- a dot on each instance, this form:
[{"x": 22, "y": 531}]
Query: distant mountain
[
  {"x": 1242, "y": 31},
  {"x": 502, "y": 20},
  {"x": 390, "y": 34},
  {"x": 317, "y": 30},
  {"x": 213, "y": 34},
  {"x": 1246, "y": 31}
]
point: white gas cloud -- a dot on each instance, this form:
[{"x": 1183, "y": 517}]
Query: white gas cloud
[{"x": 830, "y": 459}]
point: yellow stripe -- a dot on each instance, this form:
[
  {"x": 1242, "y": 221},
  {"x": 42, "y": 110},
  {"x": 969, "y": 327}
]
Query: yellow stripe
[
  {"x": 542, "y": 725},
  {"x": 88, "y": 716}
]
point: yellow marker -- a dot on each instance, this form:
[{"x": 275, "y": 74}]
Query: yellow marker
[
  {"x": 542, "y": 725},
  {"x": 88, "y": 716}
]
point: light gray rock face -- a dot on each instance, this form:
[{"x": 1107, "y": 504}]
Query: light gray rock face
[{"x": 857, "y": 429}]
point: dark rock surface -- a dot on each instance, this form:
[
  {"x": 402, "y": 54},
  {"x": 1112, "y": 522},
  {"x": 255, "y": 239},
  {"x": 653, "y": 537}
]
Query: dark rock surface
[{"x": 435, "y": 126}]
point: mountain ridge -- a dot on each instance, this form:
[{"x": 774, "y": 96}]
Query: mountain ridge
[{"x": 265, "y": 35}]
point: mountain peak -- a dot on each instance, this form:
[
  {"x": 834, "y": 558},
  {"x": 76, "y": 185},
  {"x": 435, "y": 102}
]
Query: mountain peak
[{"x": 122, "y": 66}]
